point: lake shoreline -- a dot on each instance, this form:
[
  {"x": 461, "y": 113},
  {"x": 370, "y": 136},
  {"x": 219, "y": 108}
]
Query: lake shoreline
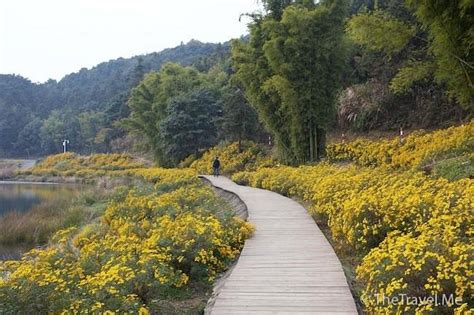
[
  {"x": 49, "y": 179},
  {"x": 14, "y": 181},
  {"x": 30, "y": 212}
]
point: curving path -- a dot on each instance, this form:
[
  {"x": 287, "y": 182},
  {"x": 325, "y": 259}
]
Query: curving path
[{"x": 287, "y": 266}]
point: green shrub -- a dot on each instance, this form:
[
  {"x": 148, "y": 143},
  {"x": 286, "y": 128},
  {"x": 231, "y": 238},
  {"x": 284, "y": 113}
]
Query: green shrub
[{"x": 455, "y": 168}]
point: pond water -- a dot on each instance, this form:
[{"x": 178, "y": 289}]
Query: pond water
[{"x": 21, "y": 197}]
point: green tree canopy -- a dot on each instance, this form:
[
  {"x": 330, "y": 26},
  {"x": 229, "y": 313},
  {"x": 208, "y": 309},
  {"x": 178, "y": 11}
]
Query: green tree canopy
[
  {"x": 448, "y": 48},
  {"x": 29, "y": 140},
  {"x": 190, "y": 124},
  {"x": 291, "y": 71},
  {"x": 450, "y": 25},
  {"x": 239, "y": 120},
  {"x": 57, "y": 127},
  {"x": 150, "y": 99},
  {"x": 379, "y": 31}
]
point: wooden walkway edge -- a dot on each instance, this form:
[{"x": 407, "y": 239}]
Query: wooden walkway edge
[{"x": 287, "y": 266}]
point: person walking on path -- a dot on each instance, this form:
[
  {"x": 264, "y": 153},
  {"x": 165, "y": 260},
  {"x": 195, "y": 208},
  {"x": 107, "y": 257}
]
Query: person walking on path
[{"x": 216, "y": 165}]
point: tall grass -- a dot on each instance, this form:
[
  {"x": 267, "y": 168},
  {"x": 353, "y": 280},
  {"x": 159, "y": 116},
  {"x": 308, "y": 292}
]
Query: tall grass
[
  {"x": 37, "y": 225},
  {"x": 7, "y": 170}
]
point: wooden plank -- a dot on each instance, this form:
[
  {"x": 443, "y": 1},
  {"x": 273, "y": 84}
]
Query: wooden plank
[{"x": 287, "y": 266}]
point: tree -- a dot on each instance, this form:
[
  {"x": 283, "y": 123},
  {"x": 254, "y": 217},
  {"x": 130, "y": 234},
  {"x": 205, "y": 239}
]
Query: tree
[
  {"x": 138, "y": 72},
  {"x": 12, "y": 121},
  {"x": 190, "y": 125},
  {"x": 390, "y": 80},
  {"x": 450, "y": 25},
  {"x": 90, "y": 123},
  {"x": 57, "y": 127},
  {"x": 445, "y": 52},
  {"x": 18, "y": 102},
  {"x": 29, "y": 140},
  {"x": 291, "y": 71},
  {"x": 239, "y": 120},
  {"x": 103, "y": 88},
  {"x": 379, "y": 31},
  {"x": 149, "y": 102},
  {"x": 275, "y": 8}
]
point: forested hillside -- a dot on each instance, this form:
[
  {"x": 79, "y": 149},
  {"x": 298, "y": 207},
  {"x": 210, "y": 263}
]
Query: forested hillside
[
  {"x": 83, "y": 106},
  {"x": 361, "y": 66}
]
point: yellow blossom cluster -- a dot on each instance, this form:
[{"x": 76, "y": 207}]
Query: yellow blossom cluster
[
  {"x": 248, "y": 158},
  {"x": 413, "y": 232},
  {"x": 161, "y": 176},
  {"x": 433, "y": 262},
  {"x": 413, "y": 151},
  {"x": 71, "y": 164},
  {"x": 150, "y": 241}
]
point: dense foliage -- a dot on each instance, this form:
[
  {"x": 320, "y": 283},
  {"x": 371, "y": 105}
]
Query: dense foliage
[
  {"x": 450, "y": 28},
  {"x": 240, "y": 120},
  {"x": 181, "y": 111},
  {"x": 152, "y": 101},
  {"x": 160, "y": 240},
  {"x": 83, "y": 107},
  {"x": 291, "y": 71},
  {"x": 411, "y": 64},
  {"x": 190, "y": 124}
]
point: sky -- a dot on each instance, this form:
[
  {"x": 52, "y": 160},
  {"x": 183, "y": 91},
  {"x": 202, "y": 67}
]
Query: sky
[{"x": 43, "y": 39}]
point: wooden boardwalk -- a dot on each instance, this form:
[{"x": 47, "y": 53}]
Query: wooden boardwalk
[{"x": 287, "y": 266}]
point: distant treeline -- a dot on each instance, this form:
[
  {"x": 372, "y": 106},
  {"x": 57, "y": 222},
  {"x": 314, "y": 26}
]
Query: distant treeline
[
  {"x": 84, "y": 106},
  {"x": 306, "y": 68}
]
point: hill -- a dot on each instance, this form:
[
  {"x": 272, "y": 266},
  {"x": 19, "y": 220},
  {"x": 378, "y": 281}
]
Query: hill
[{"x": 100, "y": 92}]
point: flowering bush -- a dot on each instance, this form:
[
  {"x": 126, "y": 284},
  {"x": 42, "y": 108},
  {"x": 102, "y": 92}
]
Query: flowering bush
[
  {"x": 250, "y": 158},
  {"x": 70, "y": 164},
  {"x": 434, "y": 261},
  {"x": 416, "y": 150},
  {"x": 150, "y": 243},
  {"x": 413, "y": 231}
]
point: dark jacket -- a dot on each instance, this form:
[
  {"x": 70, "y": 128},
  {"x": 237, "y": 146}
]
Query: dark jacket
[{"x": 216, "y": 163}]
